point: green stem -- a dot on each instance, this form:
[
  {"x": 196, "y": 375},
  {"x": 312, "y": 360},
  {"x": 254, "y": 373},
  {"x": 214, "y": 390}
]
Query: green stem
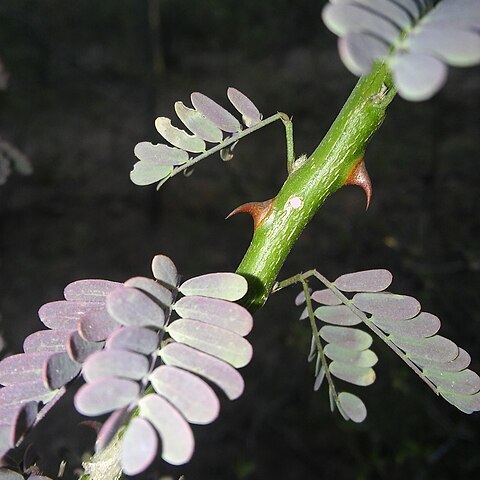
[{"x": 307, "y": 187}]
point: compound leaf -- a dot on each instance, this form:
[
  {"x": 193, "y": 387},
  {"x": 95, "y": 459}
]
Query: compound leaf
[
  {"x": 176, "y": 435},
  {"x": 223, "y": 285},
  {"x": 115, "y": 363},
  {"x": 47, "y": 341},
  {"x": 365, "y": 281},
  {"x": 64, "y": 315},
  {"x": 139, "y": 446},
  {"x": 195, "y": 400},
  {"x": 158, "y": 292},
  {"x": 387, "y": 305},
  {"x": 363, "y": 358},
  {"x": 198, "y": 123},
  {"x": 165, "y": 271},
  {"x": 135, "y": 339},
  {"x": 160, "y": 154},
  {"x": 221, "y": 313},
  {"x": 148, "y": 172},
  {"x": 105, "y": 395},
  {"x": 18, "y": 393},
  {"x": 110, "y": 428},
  {"x": 59, "y": 369},
  {"x": 353, "y": 407},
  {"x": 250, "y": 113},
  {"x": 179, "y": 138},
  {"x": 461, "y": 362},
  {"x": 466, "y": 403},
  {"x": 22, "y": 367},
  {"x": 96, "y": 326},
  {"x": 350, "y": 338},
  {"x": 130, "y": 306},
  {"x": 361, "y": 376},
  {"x": 423, "y": 325},
  {"x": 433, "y": 349},
  {"x": 211, "y": 368},
  {"x": 418, "y": 76},
  {"x": 213, "y": 340},
  {"x": 327, "y": 297},
  {"x": 337, "y": 315},
  {"x": 465, "y": 382},
  {"x": 80, "y": 349},
  {"x": 89, "y": 290},
  {"x": 214, "y": 112}
]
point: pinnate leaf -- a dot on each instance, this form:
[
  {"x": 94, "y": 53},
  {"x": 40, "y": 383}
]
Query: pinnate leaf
[
  {"x": 135, "y": 339},
  {"x": 110, "y": 428},
  {"x": 326, "y": 297},
  {"x": 64, "y": 315},
  {"x": 80, "y": 349},
  {"x": 418, "y": 76},
  {"x": 466, "y": 403},
  {"x": 165, "y": 271},
  {"x": 176, "y": 435},
  {"x": 461, "y": 362},
  {"x": 160, "y": 154},
  {"x": 214, "y": 112},
  {"x": 23, "y": 421},
  {"x": 353, "y": 407},
  {"x": 198, "y": 123},
  {"x": 423, "y": 325},
  {"x": 158, "y": 292},
  {"x": 361, "y": 376},
  {"x": 365, "y": 281},
  {"x": 433, "y": 349},
  {"x": 337, "y": 315},
  {"x": 130, "y": 306},
  {"x": 22, "y": 367},
  {"x": 363, "y": 358},
  {"x": 387, "y": 305},
  {"x": 148, "y": 172},
  {"x": 211, "y": 368},
  {"x": 179, "y": 138},
  {"x": 105, "y": 395},
  {"x": 188, "y": 393},
  {"x": 465, "y": 382},
  {"x": 223, "y": 285},
  {"x": 47, "y": 341},
  {"x": 59, "y": 369},
  {"x": 346, "y": 337},
  {"x": 139, "y": 446},
  {"x": 18, "y": 393},
  {"x": 115, "y": 363},
  {"x": 89, "y": 290},
  {"x": 213, "y": 340},
  {"x": 96, "y": 326},
  {"x": 250, "y": 114},
  {"x": 221, "y": 313}
]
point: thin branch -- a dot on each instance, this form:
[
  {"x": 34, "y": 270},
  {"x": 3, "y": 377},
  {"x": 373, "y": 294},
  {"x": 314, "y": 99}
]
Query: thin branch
[
  {"x": 304, "y": 276},
  {"x": 226, "y": 143},
  {"x": 318, "y": 343}
]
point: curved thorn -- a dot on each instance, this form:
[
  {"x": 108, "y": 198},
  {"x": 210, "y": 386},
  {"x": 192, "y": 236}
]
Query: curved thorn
[
  {"x": 258, "y": 211},
  {"x": 359, "y": 176}
]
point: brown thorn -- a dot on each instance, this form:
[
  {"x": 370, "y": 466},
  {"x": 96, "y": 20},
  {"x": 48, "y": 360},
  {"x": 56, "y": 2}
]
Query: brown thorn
[
  {"x": 359, "y": 176},
  {"x": 258, "y": 211}
]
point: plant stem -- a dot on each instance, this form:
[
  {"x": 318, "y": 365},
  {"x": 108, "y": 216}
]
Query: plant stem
[{"x": 307, "y": 187}]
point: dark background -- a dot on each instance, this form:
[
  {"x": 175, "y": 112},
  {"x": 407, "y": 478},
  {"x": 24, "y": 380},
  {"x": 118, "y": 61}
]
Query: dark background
[{"x": 88, "y": 78}]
